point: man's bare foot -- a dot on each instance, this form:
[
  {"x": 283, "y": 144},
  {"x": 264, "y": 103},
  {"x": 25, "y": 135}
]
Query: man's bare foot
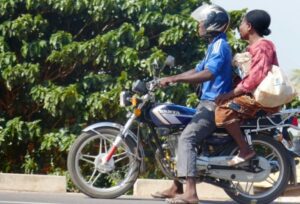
[
  {"x": 183, "y": 199},
  {"x": 174, "y": 190}
]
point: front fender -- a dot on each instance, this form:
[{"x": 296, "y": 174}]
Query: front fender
[
  {"x": 102, "y": 124},
  {"x": 119, "y": 127},
  {"x": 111, "y": 125}
]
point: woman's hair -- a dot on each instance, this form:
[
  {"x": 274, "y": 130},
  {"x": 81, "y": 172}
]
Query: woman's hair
[{"x": 260, "y": 21}]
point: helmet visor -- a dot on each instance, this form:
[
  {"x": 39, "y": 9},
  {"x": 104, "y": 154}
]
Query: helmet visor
[{"x": 200, "y": 14}]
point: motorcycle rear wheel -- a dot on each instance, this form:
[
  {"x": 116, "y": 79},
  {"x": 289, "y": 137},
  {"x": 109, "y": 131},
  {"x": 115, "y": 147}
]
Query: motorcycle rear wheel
[
  {"x": 97, "y": 180},
  {"x": 274, "y": 185}
]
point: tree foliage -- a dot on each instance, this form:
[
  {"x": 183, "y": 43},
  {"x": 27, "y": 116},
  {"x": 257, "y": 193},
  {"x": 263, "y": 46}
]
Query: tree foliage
[{"x": 63, "y": 64}]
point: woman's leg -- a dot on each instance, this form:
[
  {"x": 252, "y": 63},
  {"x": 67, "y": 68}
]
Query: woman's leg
[
  {"x": 229, "y": 114},
  {"x": 245, "y": 151}
]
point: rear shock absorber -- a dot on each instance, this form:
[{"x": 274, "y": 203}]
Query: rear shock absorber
[{"x": 249, "y": 139}]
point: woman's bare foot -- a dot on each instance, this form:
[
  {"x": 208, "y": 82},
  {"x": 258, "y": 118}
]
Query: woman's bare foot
[
  {"x": 241, "y": 157},
  {"x": 249, "y": 153}
]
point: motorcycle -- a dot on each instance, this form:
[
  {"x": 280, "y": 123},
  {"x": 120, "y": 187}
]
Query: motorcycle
[{"x": 107, "y": 158}]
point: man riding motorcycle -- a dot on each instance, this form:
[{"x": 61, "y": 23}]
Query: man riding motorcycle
[{"x": 214, "y": 71}]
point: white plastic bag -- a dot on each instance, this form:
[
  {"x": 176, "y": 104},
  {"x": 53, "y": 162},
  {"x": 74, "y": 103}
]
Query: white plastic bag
[
  {"x": 275, "y": 90},
  {"x": 242, "y": 62}
]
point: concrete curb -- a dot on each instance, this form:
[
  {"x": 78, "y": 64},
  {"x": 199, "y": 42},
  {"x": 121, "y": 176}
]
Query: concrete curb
[
  {"x": 143, "y": 188},
  {"x": 33, "y": 183}
]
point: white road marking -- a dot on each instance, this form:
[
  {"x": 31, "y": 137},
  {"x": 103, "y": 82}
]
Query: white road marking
[{"x": 22, "y": 202}]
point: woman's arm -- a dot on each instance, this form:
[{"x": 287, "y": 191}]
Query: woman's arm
[
  {"x": 225, "y": 97},
  {"x": 261, "y": 64}
]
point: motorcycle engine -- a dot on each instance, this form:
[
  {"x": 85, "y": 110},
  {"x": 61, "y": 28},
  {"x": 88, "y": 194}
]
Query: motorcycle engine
[{"x": 169, "y": 146}]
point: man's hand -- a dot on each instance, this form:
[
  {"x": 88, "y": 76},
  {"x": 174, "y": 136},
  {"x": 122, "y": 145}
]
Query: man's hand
[{"x": 166, "y": 81}]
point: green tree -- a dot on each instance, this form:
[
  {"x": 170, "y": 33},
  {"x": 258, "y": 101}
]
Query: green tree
[{"x": 63, "y": 64}]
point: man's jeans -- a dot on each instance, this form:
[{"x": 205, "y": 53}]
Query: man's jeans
[{"x": 201, "y": 126}]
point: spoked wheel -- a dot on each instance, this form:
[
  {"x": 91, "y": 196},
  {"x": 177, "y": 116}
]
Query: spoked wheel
[
  {"x": 100, "y": 180},
  {"x": 268, "y": 190}
]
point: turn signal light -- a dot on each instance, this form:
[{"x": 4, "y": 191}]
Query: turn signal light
[{"x": 137, "y": 112}]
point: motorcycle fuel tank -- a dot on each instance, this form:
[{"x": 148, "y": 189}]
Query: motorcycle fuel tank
[{"x": 171, "y": 115}]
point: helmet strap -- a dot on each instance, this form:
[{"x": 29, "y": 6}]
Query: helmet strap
[{"x": 210, "y": 36}]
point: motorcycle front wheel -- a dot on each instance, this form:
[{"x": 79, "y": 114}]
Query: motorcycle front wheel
[
  {"x": 268, "y": 190},
  {"x": 99, "y": 180}
]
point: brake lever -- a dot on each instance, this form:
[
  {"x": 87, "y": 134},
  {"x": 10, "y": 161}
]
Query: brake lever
[{"x": 151, "y": 85}]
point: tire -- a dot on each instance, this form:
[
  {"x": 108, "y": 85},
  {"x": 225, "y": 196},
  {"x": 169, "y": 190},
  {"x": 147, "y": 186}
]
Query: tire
[
  {"x": 273, "y": 191},
  {"x": 89, "y": 177}
]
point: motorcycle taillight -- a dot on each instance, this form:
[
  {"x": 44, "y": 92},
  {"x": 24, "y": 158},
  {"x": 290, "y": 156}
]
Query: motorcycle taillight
[{"x": 295, "y": 121}]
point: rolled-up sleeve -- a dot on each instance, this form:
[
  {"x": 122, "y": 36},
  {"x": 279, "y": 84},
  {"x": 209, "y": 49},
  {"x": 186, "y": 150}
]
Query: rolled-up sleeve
[
  {"x": 216, "y": 59},
  {"x": 200, "y": 66}
]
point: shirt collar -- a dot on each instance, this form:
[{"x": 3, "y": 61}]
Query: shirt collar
[{"x": 219, "y": 36}]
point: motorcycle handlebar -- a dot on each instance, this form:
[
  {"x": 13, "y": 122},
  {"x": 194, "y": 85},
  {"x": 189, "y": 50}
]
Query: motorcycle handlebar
[
  {"x": 155, "y": 83},
  {"x": 152, "y": 85}
]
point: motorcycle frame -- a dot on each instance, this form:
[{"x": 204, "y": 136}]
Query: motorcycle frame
[{"x": 287, "y": 113}]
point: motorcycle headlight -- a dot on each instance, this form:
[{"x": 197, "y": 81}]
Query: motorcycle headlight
[{"x": 125, "y": 99}]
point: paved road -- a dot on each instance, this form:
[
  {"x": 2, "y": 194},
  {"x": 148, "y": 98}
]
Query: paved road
[
  {"x": 77, "y": 198},
  {"x": 65, "y": 198}
]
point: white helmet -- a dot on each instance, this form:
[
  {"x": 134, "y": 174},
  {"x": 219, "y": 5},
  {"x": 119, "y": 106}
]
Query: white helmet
[{"x": 215, "y": 18}]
